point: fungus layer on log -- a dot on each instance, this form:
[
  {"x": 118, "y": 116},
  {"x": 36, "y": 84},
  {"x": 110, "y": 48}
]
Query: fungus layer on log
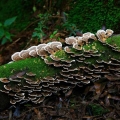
[{"x": 45, "y": 69}]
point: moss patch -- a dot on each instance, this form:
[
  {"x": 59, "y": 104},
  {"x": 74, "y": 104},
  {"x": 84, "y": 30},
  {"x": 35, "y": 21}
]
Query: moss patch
[
  {"x": 34, "y": 65},
  {"x": 114, "y": 41},
  {"x": 97, "y": 109},
  {"x": 62, "y": 54}
]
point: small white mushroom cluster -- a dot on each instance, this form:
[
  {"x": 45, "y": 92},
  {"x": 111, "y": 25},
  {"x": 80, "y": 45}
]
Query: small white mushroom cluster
[
  {"x": 40, "y": 50},
  {"x": 78, "y": 42},
  {"x": 50, "y": 48},
  {"x": 103, "y": 35}
]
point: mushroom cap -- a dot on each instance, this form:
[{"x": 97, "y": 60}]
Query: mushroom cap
[
  {"x": 56, "y": 45},
  {"x": 24, "y": 54},
  {"x": 67, "y": 49},
  {"x": 16, "y": 56},
  {"x": 92, "y": 36},
  {"x": 48, "y": 49},
  {"x": 101, "y": 34},
  {"x": 86, "y": 36},
  {"x": 54, "y": 58},
  {"x": 7, "y": 87},
  {"x": 39, "y": 100},
  {"x": 70, "y": 40},
  {"x": 4, "y": 80},
  {"x": 80, "y": 41},
  {"x": 42, "y": 52},
  {"x": 75, "y": 46},
  {"x": 40, "y": 49},
  {"x": 40, "y": 46},
  {"x": 33, "y": 53},
  {"x": 32, "y": 48},
  {"x": 109, "y": 32}
]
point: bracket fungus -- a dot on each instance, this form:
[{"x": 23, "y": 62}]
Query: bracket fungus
[
  {"x": 45, "y": 69},
  {"x": 16, "y": 56},
  {"x": 103, "y": 35}
]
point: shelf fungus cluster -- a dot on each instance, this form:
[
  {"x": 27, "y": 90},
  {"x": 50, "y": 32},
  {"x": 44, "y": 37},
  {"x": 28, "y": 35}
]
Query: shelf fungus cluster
[
  {"x": 80, "y": 61},
  {"x": 40, "y": 50}
]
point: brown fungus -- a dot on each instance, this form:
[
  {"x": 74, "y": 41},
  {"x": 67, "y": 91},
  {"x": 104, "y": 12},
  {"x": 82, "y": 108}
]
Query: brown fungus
[{"x": 4, "y": 80}]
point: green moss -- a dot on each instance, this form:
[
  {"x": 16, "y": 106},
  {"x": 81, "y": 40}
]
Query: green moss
[
  {"x": 62, "y": 54},
  {"x": 97, "y": 109},
  {"x": 34, "y": 65},
  {"x": 91, "y": 16},
  {"x": 115, "y": 41}
]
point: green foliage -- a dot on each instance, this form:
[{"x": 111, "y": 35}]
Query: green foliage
[
  {"x": 71, "y": 28},
  {"x": 20, "y": 8},
  {"x": 39, "y": 30},
  {"x": 91, "y": 16},
  {"x": 5, "y": 35},
  {"x": 54, "y": 35}
]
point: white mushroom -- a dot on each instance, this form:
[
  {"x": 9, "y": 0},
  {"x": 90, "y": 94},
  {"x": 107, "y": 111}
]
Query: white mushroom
[
  {"x": 92, "y": 36},
  {"x": 75, "y": 45},
  {"x": 49, "y": 49},
  {"x": 16, "y": 56},
  {"x": 67, "y": 50},
  {"x": 32, "y": 48},
  {"x": 86, "y": 36},
  {"x": 56, "y": 45},
  {"x": 40, "y": 50},
  {"x": 80, "y": 41},
  {"x": 33, "y": 53},
  {"x": 54, "y": 58},
  {"x": 71, "y": 40},
  {"x": 24, "y": 54},
  {"x": 101, "y": 34},
  {"x": 109, "y": 32}
]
